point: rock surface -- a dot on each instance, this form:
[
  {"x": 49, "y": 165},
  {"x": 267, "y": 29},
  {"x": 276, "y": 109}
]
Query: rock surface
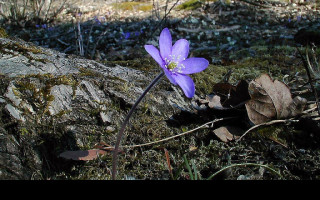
[{"x": 49, "y": 101}]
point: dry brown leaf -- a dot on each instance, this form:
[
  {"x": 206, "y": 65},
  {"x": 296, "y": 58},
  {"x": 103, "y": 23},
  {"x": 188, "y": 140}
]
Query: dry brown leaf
[
  {"x": 83, "y": 155},
  {"x": 227, "y": 133},
  {"x": 214, "y": 102},
  {"x": 271, "y": 100},
  {"x": 166, "y": 152}
]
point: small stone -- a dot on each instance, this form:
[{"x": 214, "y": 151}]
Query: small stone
[
  {"x": 14, "y": 112},
  {"x": 11, "y": 94},
  {"x": 104, "y": 117},
  {"x": 110, "y": 129},
  {"x": 2, "y": 100}
]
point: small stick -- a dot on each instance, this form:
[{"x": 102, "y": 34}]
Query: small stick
[
  {"x": 172, "y": 137},
  {"x": 80, "y": 40},
  {"x": 166, "y": 152},
  {"x": 267, "y": 123},
  {"x": 164, "y": 19},
  {"x": 178, "y": 135},
  {"x": 96, "y": 44},
  {"x": 305, "y": 64}
]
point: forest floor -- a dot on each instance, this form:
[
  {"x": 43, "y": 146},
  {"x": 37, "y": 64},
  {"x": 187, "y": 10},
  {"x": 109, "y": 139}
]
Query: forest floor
[{"x": 228, "y": 34}]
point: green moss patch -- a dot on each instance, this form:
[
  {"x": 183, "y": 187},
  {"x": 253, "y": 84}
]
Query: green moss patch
[
  {"x": 193, "y": 4},
  {"x": 25, "y": 50},
  {"x": 132, "y": 6},
  {"x": 3, "y": 33},
  {"x": 36, "y": 89},
  {"x": 142, "y": 64}
]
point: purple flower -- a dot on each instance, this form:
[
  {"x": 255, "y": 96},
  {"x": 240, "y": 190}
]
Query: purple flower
[
  {"x": 299, "y": 18},
  {"x": 125, "y": 35},
  {"x": 173, "y": 60},
  {"x": 96, "y": 19}
]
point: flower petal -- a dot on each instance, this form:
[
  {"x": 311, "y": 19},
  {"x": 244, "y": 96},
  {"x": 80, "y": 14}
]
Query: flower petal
[
  {"x": 180, "y": 50},
  {"x": 193, "y": 65},
  {"x": 186, "y": 84},
  {"x": 169, "y": 76},
  {"x": 165, "y": 43},
  {"x": 155, "y": 54}
]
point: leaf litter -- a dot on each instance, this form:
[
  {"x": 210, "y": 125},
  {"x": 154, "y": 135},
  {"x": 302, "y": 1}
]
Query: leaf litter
[{"x": 272, "y": 100}]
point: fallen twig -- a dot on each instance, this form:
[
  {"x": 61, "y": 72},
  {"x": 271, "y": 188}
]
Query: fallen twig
[
  {"x": 309, "y": 110},
  {"x": 267, "y": 123},
  {"x": 178, "y": 135},
  {"x": 62, "y": 42},
  {"x": 175, "y": 136}
]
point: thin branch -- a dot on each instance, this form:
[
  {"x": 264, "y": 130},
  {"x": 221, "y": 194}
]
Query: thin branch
[
  {"x": 265, "y": 124},
  {"x": 308, "y": 62},
  {"x": 164, "y": 17},
  {"x": 24, "y": 8},
  {"x": 96, "y": 44},
  {"x": 58, "y": 11},
  {"x": 88, "y": 41},
  {"x": 178, "y": 135},
  {"x": 49, "y": 7},
  {"x": 80, "y": 40},
  {"x": 305, "y": 64},
  {"x": 172, "y": 137},
  {"x": 41, "y": 3}
]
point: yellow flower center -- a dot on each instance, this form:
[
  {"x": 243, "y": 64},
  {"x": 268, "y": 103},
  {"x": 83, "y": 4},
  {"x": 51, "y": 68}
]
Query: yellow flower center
[{"x": 172, "y": 65}]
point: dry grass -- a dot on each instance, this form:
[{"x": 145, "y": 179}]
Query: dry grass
[
  {"x": 21, "y": 11},
  {"x": 133, "y": 6}
]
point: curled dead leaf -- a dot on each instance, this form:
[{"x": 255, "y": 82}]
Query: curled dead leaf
[
  {"x": 227, "y": 133},
  {"x": 271, "y": 100}
]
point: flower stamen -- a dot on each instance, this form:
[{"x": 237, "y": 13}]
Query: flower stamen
[{"x": 171, "y": 66}]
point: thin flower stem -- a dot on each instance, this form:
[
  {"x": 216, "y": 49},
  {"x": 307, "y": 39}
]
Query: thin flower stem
[{"x": 120, "y": 134}]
